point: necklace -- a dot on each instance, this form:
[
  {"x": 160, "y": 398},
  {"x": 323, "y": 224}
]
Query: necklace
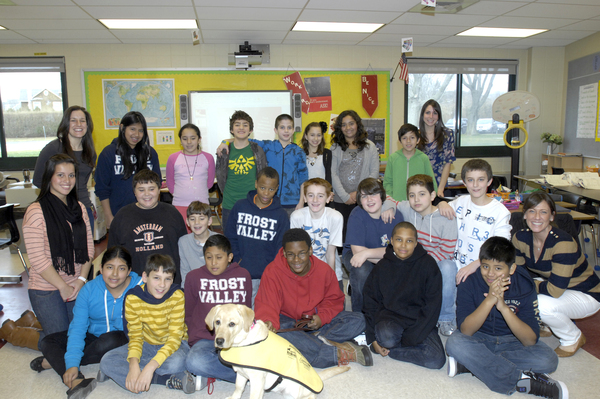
[
  {"x": 312, "y": 161},
  {"x": 188, "y": 167}
]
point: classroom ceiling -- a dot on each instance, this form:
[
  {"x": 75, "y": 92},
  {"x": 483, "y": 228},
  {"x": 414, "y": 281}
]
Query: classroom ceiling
[{"x": 270, "y": 21}]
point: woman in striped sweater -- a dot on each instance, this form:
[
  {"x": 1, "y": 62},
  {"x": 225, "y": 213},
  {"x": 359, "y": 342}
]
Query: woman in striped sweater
[
  {"x": 58, "y": 238},
  {"x": 567, "y": 286}
]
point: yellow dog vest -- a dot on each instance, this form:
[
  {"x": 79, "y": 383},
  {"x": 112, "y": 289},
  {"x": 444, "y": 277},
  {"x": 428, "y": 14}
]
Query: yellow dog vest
[{"x": 276, "y": 355}]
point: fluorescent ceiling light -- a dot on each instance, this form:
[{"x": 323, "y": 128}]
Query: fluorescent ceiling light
[
  {"x": 149, "y": 23},
  {"x": 501, "y": 32},
  {"x": 335, "y": 27}
]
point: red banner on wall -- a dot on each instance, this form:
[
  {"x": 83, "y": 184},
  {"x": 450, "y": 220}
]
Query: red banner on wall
[
  {"x": 370, "y": 99},
  {"x": 296, "y": 85}
]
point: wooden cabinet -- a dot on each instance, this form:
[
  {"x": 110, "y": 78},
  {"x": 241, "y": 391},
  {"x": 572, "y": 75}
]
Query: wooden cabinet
[{"x": 569, "y": 163}]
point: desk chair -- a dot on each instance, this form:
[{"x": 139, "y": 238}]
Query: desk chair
[
  {"x": 215, "y": 202},
  {"x": 585, "y": 205},
  {"x": 557, "y": 171},
  {"x": 7, "y": 221}
]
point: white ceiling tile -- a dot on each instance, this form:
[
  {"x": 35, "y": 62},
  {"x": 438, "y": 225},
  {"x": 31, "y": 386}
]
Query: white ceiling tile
[
  {"x": 79, "y": 41},
  {"x": 397, "y": 39},
  {"x": 321, "y": 42},
  {"x": 39, "y": 34},
  {"x": 534, "y": 42},
  {"x": 42, "y": 12},
  {"x": 589, "y": 25},
  {"x": 419, "y": 30},
  {"x": 491, "y": 41},
  {"x": 240, "y": 36},
  {"x": 252, "y": 14},
  {"x": 151, "y": 34},
  {"x": 528, "y": 22},
  {"x": 327, "y": 36},
  {"x": 553, "y": 10},
  {"x": 138, "y": 3},
  {"x": 254, "y": 3},
  {"x": 563, "y": 34},
  {"x": 441, "y": 19},
  {"x": 142, "y": 12},
  {"x": 23, "y": 24},
  {"x": 43, "y": 2},
  {"x": 245, "y": 25},
  {"x": 380, "y": 5},
  {"x": 492, "y": 7},
  {"x": 348, "y": 16}
]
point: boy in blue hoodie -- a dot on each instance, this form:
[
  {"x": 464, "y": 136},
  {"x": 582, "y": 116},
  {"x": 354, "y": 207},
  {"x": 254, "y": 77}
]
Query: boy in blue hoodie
[
  {"x": 498, "y": 320},
  {"x": 97, "y": 325},
  {"x": 256, "y": 225}
]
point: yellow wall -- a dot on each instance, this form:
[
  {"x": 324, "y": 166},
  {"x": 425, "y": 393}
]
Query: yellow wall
[{"x": 542, "y": 70}]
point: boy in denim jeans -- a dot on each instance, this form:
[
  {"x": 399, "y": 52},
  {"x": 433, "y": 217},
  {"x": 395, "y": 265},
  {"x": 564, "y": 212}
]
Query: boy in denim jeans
[
  {"x": 498, "y": 320},
  {"x": 155, "y": 323}
]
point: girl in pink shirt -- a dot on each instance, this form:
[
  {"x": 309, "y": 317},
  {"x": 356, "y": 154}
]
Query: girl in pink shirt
[{"x": 190, "y": 172}]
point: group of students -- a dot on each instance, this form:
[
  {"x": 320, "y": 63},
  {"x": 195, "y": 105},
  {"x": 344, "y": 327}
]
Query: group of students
[{"x": 405, "y": 260}]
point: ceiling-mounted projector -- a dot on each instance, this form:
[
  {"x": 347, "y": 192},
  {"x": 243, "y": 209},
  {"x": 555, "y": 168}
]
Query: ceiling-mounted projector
[{"x": 247, "y": 57}]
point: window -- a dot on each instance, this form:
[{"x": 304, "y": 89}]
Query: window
[
  {"x": 466, "y": 90},
  {"x": 32, "y": 97}
]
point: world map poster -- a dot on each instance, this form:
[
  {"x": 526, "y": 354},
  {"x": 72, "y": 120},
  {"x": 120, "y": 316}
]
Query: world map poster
[{"x": 155, "y": 99}]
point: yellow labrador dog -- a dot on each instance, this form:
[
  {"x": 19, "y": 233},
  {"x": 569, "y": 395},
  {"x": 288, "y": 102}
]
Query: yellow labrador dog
[{"x": 234, "y": 326}]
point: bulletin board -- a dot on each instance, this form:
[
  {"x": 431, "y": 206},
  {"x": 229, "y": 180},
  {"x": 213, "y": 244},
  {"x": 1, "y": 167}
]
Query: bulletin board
[
  {"x": 582, "y": 133},
  {"x": 345, "y": 94}
]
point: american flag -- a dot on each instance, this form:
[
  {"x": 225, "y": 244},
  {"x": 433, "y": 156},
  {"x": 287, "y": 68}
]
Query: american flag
[{"x": 403, "y": 68}]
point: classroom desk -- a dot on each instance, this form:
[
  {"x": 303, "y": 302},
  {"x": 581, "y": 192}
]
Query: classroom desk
[
  {"x": 574, "y": 214},
  {"x": 533, "y": 180}
]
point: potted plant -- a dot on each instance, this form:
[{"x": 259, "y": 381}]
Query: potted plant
[{"x": 553, "y": 141}]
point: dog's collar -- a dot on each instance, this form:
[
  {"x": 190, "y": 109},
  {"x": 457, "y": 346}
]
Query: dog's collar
[{"x": 253, "y": 324}]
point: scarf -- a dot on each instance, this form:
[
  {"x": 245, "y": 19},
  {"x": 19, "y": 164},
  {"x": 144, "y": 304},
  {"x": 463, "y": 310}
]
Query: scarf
[{"x": 65, "y": 240}]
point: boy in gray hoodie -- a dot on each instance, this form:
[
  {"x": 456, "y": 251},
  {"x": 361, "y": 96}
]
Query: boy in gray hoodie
[{"x": 438, "y": 236}]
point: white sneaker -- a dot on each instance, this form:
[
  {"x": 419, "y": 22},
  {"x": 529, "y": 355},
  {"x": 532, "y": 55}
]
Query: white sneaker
[
  {"x": 361, "y": 339},
  {"x": 446, "y": 328}
]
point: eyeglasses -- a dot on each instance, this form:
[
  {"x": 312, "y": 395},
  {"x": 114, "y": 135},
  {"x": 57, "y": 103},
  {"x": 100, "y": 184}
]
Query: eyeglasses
[{"x": 301, "y": 255}]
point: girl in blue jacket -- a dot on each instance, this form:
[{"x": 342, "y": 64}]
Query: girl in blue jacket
[{"x": 97, "y": 325}]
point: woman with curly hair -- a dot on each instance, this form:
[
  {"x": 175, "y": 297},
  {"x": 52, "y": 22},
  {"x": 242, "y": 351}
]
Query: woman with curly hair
[{"x": 354, "y": 158}]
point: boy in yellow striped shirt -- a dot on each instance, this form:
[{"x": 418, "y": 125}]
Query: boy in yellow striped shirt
[{"x": 154, "y": 313}]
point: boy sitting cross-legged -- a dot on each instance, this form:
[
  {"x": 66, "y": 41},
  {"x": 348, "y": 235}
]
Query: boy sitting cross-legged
[
  {"x": 437, "y": 234},
  {"x": 217, "y": 282},
  {"x": 402, "y": 300},
  {"x": 154, "y": 314},
  {"x": 498, "y": 322},
  {"x": 298, "y": 289}
]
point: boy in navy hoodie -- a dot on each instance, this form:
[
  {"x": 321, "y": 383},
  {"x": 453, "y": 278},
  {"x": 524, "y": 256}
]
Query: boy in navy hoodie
[
  {"x": 256, "y": 225},
  {"x": 498, "y": 320},
  {"x": 402, "y": 301}
]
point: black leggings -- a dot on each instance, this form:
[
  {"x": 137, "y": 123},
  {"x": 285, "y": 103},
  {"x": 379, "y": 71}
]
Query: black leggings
[{"x": 54, "y": 347}]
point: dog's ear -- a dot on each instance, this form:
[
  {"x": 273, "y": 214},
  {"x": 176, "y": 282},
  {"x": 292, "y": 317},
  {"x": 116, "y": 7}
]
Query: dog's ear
[
  {"x": 247, "y": 316},
  {"x": 210, "y": 317}
]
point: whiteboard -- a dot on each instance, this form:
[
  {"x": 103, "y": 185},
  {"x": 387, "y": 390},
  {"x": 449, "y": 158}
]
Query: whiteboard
[{"x": 211, "y": 110}]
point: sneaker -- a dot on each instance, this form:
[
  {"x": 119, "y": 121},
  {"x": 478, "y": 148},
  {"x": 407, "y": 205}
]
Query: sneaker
[
  {"x": 455, "y": 368},
  {"x": 361, "y": 339},
  {"x": 446, "y": 328},
  {"x": 350, "y": 352},
  {"x": 545, "y": 331},
  {"x": 203, "y": 382},
  {"x": 101, "y": 377},
  {"x": 185, "y": 382},
  {"x": 542, "y": 385}
]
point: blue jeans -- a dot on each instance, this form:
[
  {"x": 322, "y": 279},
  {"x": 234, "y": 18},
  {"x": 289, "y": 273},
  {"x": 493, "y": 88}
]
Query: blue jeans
[
  {"x": 52, "y": 312},
  {"x": 448, "y": 269},
  {"x": 429, "y": 353},
  {"x": 91, "y": 217},
  {"x": 499, "y": 360},
  {"x": 358, "y": 277},
  {"x": 114, "y": 364},
  {"x": 203, "y": 360},
  {"x": 344, "y": 327}
]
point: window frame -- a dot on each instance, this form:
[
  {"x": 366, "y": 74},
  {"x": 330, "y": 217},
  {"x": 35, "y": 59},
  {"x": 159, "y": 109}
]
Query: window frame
[
  {"x": 460, "y": 67},
  {"x": 28, "y": 64}
]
